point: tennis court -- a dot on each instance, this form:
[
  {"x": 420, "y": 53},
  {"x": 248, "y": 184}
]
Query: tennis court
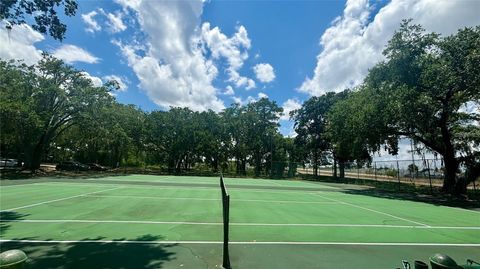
[{"x": 140, "y": 221}]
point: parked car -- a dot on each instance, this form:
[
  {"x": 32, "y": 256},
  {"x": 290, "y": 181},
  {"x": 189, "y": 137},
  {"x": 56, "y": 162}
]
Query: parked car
[
  {"x": 96, "y": 167},
  {"x": 9, "y": 163},
  {"x": 72, "y": 166}
]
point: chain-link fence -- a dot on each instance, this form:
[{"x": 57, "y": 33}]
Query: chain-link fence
[
  {"x": 420, "y": 173},
  {"x": 428, "y": 173}
]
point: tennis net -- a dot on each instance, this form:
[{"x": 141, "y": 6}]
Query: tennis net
[{"x": 226, "y": 213}]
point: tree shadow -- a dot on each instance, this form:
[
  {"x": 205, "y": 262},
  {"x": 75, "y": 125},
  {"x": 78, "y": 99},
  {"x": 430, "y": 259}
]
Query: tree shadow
[
  {"x": 26, "y": 175},
  {"x": 6, "y": 217},
  {"x": 143, "y": 253},
  {"x": 435, "y": 199}
]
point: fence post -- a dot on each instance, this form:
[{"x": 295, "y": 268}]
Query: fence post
[
  {"x": 358, "y": 173},
  {"x": 398, "y": 175},
  {"x": 429, "y": 177},
  {"x": 375, "y": 170}
]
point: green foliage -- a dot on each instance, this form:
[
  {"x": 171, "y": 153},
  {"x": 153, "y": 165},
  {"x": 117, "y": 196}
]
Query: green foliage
[
  {"x": 412, "y": 168},
  {"x": 38, "y": 103},
  {"x": 418, "y": 92},
  {"x": 44, "y": 14},
  {"x": 311, "y": 123}
]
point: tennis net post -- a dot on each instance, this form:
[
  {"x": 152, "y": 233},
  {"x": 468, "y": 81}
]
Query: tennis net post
[{"x": 226, "y": 216}]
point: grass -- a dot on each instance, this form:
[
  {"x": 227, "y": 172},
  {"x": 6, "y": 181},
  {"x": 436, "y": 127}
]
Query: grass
[{"x": 52, "y": 218}]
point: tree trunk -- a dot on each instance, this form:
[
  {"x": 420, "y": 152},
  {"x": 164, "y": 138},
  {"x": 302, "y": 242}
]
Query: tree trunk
[
  {"x": 334, "y": 168},
  {"x": 450, "y": 180},
  {"x": 258, "y": 164},
  {"x": 171, "y": 165},
  {"x": 215, "y": 165},
  {"x": 243, "y": 167},
  {"x": 341, "y": 166},
  {"x": 34, "y": 157},
  {"x": 237, "y": 165},
  {"x": 315, "y": 163}
]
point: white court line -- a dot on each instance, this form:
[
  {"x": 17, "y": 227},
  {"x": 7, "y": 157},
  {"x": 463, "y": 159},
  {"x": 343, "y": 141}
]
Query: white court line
[
  {"x": 372, "y": 210},
  {"x": 239, "y": 243},
  {"x": 213, "y": 199},
  {"x": 19, "y": 185},
  {"x": 150, "y": 187},
  {"x": 331, "y": 225},
  {"x": 56, "y": 200}
]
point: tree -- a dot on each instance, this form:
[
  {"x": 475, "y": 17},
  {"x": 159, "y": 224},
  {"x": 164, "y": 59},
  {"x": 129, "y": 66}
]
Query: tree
[
  {"x": 172, "y": 135},
  {"x": 262, "y": 119},
  {"x": 412, "y": 169},
  {"x": 351, "y": 131},
  {"x": 41, "y": 102},
  {"x": 44, "y": 13},
  {"x": 425, "y": 81},
  {"x": 209, "y": 138},
  {"x": 109, "y": 135},
  {"x": 311, "y": 123},
  {"x": 236, "y": 142}
]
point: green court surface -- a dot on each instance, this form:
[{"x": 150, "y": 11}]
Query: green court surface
[{"x": 140, "y": 221}]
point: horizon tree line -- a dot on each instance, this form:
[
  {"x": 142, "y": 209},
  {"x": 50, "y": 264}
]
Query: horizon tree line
[{"x": 51, "y": 111}]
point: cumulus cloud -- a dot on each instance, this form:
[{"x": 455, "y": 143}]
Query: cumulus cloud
[
  {"x": 115, "y": 22},
  {"x": 19, "y": 44},
  {"x": 92, "y": 24},
  {"x": 233, "y": 50},
  {"x": 354, "y": 43},
  {"x": 288, "y": 106},
  {"x": 96, "y": 81},
  {"x": 249, "y": 99},
  {"x": 262, "y": 95},
  {"x": 122, "y": 82},
  {"x": 71, "y": 53},
  {"x": 264, "y": 72},
  {"x": 229, "y": 90},
  {"x": 172, "y": 69}
]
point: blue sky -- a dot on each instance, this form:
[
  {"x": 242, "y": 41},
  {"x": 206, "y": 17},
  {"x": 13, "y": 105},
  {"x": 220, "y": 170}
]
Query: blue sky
[{"x": 207, "y": 55}]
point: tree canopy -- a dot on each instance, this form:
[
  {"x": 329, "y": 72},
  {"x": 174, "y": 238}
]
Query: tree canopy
[
  {"x": 419, "y": 92},
  {"x": 42, "y": 15}
]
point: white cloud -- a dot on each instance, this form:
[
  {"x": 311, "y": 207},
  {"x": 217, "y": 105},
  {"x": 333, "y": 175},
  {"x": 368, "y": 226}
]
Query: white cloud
[
  {"x": 237, "y": 100},
  {"x": 262, "y": 95},
  {"x": 229, "y": 90},
  {"x": 473, "y": 109},
  {"x": 249, "y": 99},
  {"x": 71, "y": 53},
  {"x": 115, "y": 22},
  {"x": 19, "y": 43},
  {"x": 92, "y": 25},
  {"x": 96, "y": 81},
  {"x": 172, "y": 70},
  {"x": 121, "y": 81},
  {"x": 288, "y": 106},
  {"x": 264, "y": 72},
  {"x": 233, "y": 50},
  {"x": 353, "y": 43}
]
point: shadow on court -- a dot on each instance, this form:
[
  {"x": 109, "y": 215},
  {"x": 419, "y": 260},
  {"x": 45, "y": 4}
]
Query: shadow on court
[
  {"x": 443, "y": 200},
  {"x": 11, "y": 216},
  {"x": 95, "y": 255}
]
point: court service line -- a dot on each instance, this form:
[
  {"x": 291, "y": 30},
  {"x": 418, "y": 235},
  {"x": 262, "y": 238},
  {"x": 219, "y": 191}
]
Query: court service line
[
  {"x": 57, "y": 200},
  {"x": 332, "y": 225},
  {"x": 238, "y": 242},
  {"x": 372, "y": 210},
  {"x": 214, "y": 199}
]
